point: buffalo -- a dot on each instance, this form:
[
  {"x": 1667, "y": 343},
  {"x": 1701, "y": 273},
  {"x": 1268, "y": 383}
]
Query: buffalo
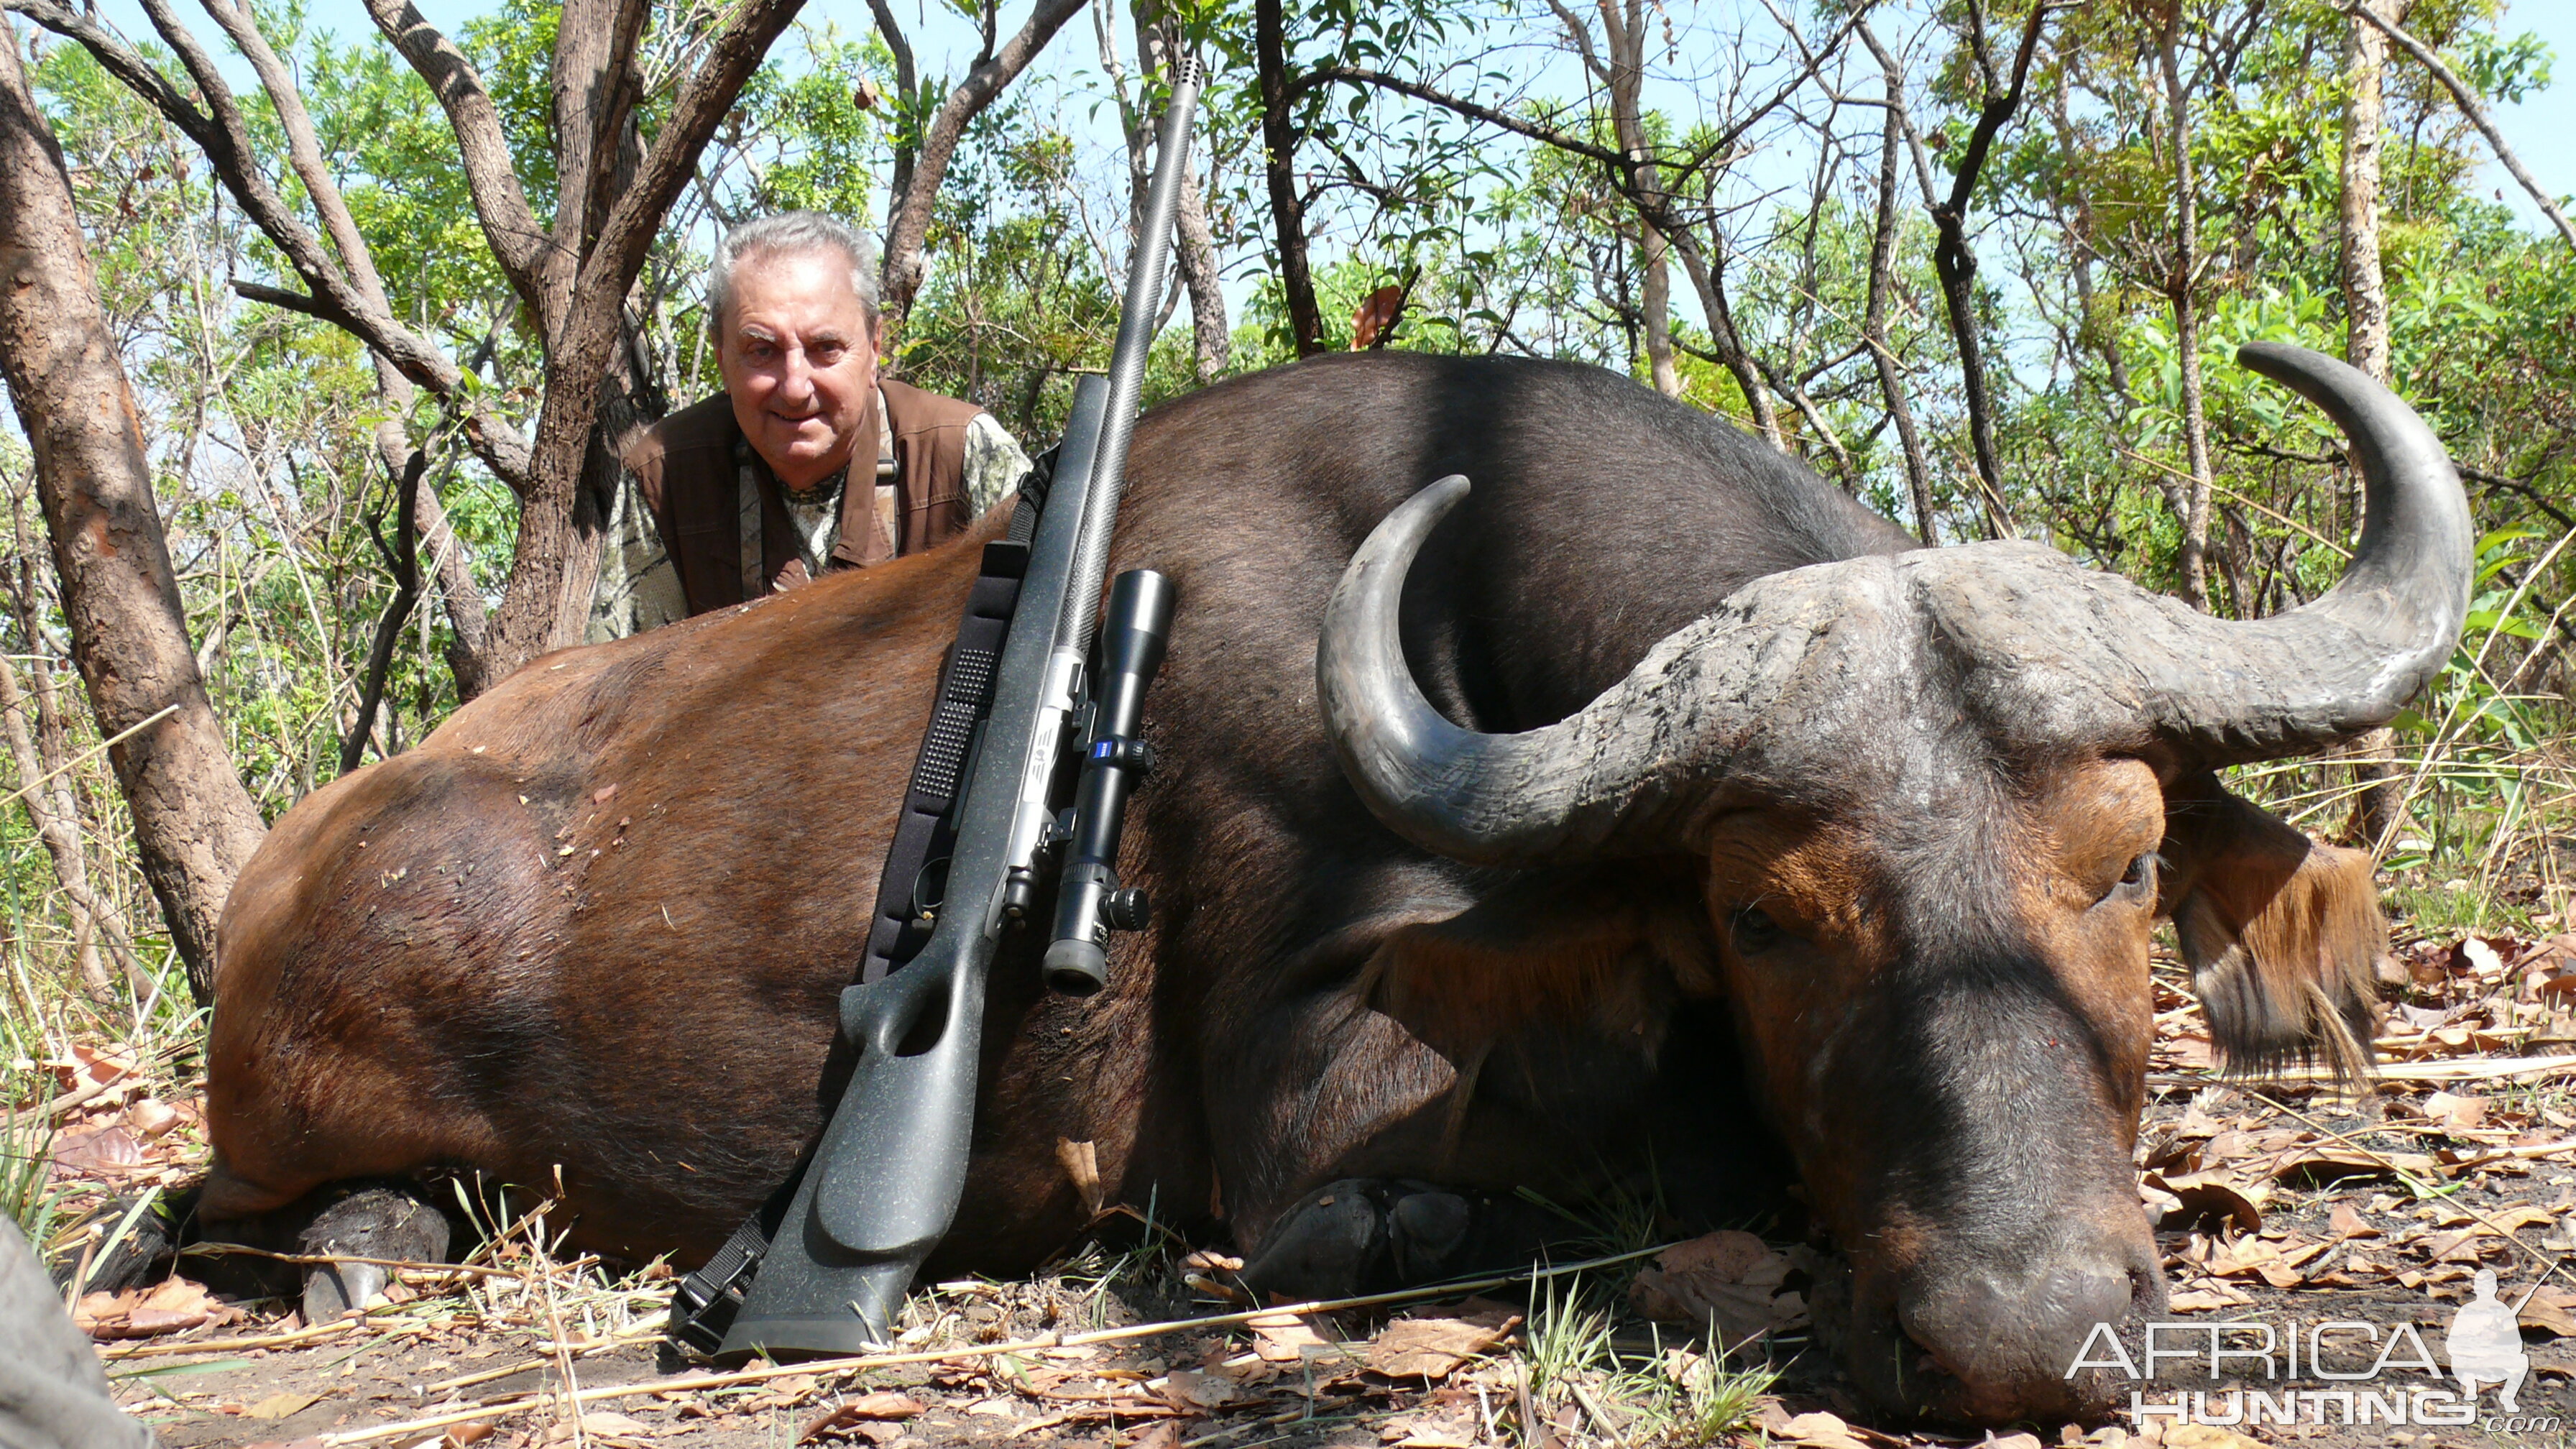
[{"x": 1640, "y": 814}]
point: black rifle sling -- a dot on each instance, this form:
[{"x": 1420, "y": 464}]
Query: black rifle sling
[{"x": 704, "y": 1304}]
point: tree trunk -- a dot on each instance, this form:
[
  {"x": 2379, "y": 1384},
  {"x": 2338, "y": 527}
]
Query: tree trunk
[
  {"x": 1279, "y": 150},
  {"x": 1211, "y": 341},
  {"x": 2378, "y": 799},
  {"x": 2182, "y": 287},
  {"x": 1655, "y": 299},
  {"x": 1882, "y": 281},
  {"x": 57, "y": 823},
  {"x": 194, "y": 824},
  {"x": 1624, "y": 24}
]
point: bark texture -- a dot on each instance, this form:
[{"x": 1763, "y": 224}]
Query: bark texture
[
  {"x": 1279, "y": 150},
  {"x": 194, "y": 823},
  {"x": 2379, "y": 798},
  {"x": 1882, "y": 282},
  {"x": 2190, "y": 495}
]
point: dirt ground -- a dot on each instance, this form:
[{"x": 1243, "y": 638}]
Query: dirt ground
[{"x": 2289, "y": 1202}]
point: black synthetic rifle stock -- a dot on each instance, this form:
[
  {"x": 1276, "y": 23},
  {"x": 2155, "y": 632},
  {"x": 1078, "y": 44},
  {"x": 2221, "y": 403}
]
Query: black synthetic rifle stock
[{"x": 883, "y": 1182}]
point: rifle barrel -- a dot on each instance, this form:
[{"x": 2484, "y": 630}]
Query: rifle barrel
[{"x": 1136, "y": 318}]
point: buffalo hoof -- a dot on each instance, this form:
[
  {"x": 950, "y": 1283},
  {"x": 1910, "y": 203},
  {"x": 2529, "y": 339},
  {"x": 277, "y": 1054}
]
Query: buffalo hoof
[
  {"x": 146, "y": 1251},
  {"x": 1364, "y": 1235},
  {"x": 389, "y": 1222}
]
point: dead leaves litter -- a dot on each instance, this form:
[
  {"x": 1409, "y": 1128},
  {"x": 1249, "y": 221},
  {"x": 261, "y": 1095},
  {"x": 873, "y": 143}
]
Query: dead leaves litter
[
  {"x": 872, "y": 1417},
  {"x": 1730, "y": 1280},
  {"x": 172, "y": 1306},
  {"x": 1432, "y": 1348}
]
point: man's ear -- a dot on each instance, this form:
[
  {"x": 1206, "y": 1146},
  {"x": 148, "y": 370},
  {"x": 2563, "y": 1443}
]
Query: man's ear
[{"x": 2283, "y": 935}]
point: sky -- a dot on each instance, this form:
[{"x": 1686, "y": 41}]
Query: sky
[{"x": 2552, "y": 112}]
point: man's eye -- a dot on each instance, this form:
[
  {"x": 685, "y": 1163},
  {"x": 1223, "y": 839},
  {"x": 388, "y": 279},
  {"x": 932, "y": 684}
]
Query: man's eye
[{"x": 826, "y": 356}]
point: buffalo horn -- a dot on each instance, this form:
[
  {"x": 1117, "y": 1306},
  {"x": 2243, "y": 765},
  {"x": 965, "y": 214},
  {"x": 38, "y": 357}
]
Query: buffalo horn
[
  {"x": 1562, "y": 790},
  {"x": 2057, "y": 658},
  {"x": 2347, "y": 662}
]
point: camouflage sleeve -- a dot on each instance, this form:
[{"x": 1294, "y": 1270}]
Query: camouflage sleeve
[
  {"x": 53, "y": 1394},
  {"x": 994, "y": 464},
  {"x": 639, "y": 587}
]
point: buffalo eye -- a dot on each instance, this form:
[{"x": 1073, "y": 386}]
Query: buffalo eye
[
  {"x": 1753, "y": 931},
  {"x": 2136, "y": 880}
]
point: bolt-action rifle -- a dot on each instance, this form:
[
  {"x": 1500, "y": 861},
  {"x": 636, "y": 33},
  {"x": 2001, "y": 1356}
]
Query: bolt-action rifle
[{"x": 881, "y": 1186}]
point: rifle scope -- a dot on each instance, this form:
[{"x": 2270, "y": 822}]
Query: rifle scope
[{"x": 1089, "y": 901}]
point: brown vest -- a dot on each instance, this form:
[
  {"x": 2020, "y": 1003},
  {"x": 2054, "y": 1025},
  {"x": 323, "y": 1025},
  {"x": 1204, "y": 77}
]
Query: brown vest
[{"x": 687, "y": 465}]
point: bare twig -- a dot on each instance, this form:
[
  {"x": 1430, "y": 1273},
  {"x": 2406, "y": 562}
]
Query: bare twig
[
  {"x": 406, "y": 570},
  {"x": 2473, "y": 108},
  {"x": 232, "y": 1345},
  {"x": 102, "y": 747}
]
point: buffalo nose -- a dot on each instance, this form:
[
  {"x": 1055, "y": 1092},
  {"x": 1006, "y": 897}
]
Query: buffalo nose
[{"x": 2010, "y": 1340}]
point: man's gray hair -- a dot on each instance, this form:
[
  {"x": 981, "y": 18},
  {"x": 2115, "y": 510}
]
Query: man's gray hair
[{"x": 792, "y": 233}]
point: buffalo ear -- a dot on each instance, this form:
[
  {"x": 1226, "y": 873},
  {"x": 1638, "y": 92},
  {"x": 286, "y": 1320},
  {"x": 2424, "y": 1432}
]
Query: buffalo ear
[{"x": 2284, "y": 936}]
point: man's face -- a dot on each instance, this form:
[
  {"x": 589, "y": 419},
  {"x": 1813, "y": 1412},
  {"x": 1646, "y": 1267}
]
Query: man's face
[{"x": 799, "y": 361}]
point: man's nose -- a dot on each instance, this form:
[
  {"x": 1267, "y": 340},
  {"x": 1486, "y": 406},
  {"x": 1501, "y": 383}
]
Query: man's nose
[{"x": 795, "y": 376}]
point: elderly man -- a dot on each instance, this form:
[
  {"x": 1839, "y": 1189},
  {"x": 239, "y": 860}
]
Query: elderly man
[{"x": 808, "y": 460}]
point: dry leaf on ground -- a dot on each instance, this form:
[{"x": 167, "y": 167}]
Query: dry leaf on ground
[
  {"x": 878, "y": 1407},
  {"x": 1199, "y": 1389},
  {"x": 2552, "y": 1310},
  {"x": 1732, "y": 1278},
  {"x": 110, "y": 1150},
  {"x": 2331, "y": 1162},
  {"x": 2206, "y": 1297},
  {"x": 2203, "y": 1436},
  {"x": 1430, "y": 1348},
  {"x": 281, "y": 1406},
  {"x": 2203, "y": 1196},
  {"x": 2347, "y": 1222},
  {"x": 1827, "y": 1431},
  {"x": 1429, "y": 1429},
  {"x": 1286, "y": 1338},
  {"x": 2456, "y": 1113}
]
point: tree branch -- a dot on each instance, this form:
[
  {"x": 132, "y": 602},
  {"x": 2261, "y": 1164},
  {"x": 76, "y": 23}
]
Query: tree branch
[
  {"x": 222, "y": 134},
  {"x": 984, "y": 80},
  {"x": 406, "y": 571},
  {"x": 906, "y": 82},
  {"x": 2473, "y": 108},
  {"x": 509, "y": 224}
]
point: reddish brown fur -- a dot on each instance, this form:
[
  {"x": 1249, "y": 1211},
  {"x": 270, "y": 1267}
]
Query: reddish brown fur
[
  {"x": 1828, "y": 884},
  {"x": 2283, "y": 934},
  {"x": 393, "y": 991}
]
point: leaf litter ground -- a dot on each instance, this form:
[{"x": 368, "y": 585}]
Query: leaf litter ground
[{"x": 2283, "y": 1201}]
